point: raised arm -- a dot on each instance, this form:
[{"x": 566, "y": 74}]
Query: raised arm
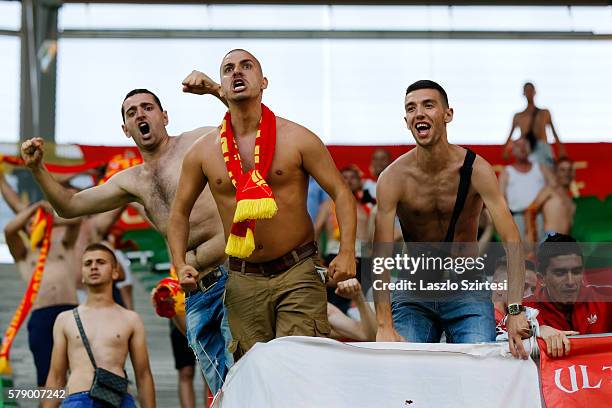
[
  {"x": 56, "y": 379},
  {"x": 140, "y": 362},
  {"x": 14, "y": 241},
  {"x": 200, "y": 84},
  {"x": 190, "y": 186},
  {"x": 68, "y": 204},
  {"x": 485, "y": 183},
  {"x": 317, "y": 161},
  {"x": 10, "y": 196}
]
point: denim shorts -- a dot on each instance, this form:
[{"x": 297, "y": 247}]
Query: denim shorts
[
  {"x": 83, "y": 400},
  {"x": 463, "y": 320},
  {"x": 208, "y": 333}
]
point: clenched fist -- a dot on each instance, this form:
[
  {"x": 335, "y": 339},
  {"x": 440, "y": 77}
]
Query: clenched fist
[
  {"x": 188, "y": 277},
  {"x": 200, "y": 84},
  {"x": 32, "y": 152}
]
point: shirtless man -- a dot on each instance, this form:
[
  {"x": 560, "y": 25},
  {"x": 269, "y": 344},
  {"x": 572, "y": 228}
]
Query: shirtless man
[
  {"x": 421, "y": 188},
  {"x": 295, "y": 303},
  {"x": 57, "y": 291},
  {"x": 532, "y": 123},
  {"x": 555, "y": 203},
  {"x": 112, "y": 332},
  {"x": 152, "y": 184}
]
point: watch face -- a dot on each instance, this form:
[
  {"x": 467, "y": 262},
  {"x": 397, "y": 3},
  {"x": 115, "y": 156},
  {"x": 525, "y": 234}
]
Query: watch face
[{"x": 514, "y": 309}]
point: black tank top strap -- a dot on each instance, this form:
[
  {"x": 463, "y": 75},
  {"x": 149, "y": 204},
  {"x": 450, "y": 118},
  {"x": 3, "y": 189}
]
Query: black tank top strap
[{"x": 465, "y": 178}]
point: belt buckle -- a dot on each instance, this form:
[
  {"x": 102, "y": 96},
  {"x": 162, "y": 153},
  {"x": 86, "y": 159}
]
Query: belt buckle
[
  {"x": 205, "y": 288},
  {"x": 213, "y": 273}
]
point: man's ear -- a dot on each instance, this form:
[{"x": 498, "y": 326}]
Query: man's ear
[
  {"x": 448, "y": 115},
  {"x": 264, "y": 83},
  {"x": 541, "y": 278},
  {"x": 166, "y": 120},
  {"x": 125, "y": 131},
  {"x": 115, "y": 273},
  {"x": 406, "y": 120}
]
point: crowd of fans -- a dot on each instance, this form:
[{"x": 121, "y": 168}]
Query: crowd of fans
[{"x": 536, "y": 189}]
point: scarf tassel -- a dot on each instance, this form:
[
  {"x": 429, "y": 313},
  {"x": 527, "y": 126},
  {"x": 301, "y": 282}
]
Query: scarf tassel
[
  {"x": 259, "y": 209},
  {"x": 241, "y": 246}
]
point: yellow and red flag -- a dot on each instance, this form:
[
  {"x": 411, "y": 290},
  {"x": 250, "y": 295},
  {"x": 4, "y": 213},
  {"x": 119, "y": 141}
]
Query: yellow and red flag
[{"x": 46, "y": 219}]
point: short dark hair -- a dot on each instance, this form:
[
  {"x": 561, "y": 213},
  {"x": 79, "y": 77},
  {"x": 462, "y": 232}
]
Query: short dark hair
[
  {"x": 563, "y": 159},
  {"x": 556, "y": 245},
  {"x": 136, "y": 92},
  {"x": 427, "y": 84},
  {"x": 526, "y": 84},
  {"x": 98, "y": 246}
]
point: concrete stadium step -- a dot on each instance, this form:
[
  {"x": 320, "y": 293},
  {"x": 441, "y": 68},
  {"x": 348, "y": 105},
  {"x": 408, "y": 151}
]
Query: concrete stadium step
[{"x": 158, "y": 341}]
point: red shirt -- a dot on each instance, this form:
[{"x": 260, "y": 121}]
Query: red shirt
[{"x": 591, "y": 314}]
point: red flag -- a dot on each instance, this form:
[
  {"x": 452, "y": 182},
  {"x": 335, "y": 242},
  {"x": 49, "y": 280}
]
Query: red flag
[{"x": 583, "y": 378}]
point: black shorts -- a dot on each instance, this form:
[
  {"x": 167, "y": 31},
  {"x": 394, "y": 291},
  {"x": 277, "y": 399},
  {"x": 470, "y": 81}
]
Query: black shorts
[
  {"x": 183, "y": 355},
  {"x": 40, "y": 338}
]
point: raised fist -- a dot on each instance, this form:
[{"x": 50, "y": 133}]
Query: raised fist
[
  {"x": 32, "y": 152},
  {"x": 200, "y": 84}
]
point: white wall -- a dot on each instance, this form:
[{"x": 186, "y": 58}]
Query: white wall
[{"x": 347, "y": 91}]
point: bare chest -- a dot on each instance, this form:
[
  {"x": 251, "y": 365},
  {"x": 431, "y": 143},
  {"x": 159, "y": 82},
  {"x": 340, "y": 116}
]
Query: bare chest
[
  {"x": 101, "y": 333},
  {"x": 529, "y": 121},
  {"x": 429, "y": 196},
  {"x": 156, "y": 191},
  {"x": 284, "y": 171},
  {"x": 427, "y": 204}
]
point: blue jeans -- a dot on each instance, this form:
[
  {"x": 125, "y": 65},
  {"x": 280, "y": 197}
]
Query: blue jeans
[
  {"x": 463, "y": 321},
  {"x": 83, "y": 400},
  {"x": 208, "y": 333}
]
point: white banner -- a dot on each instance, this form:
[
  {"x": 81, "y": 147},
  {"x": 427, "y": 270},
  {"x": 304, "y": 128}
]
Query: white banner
[{"x": 315, "y": 372}]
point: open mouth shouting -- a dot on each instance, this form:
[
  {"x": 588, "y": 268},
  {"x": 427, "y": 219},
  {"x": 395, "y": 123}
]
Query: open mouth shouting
[
  {"x": 422, "y": 129},
  {"x": 144, "y": 128},
  {"x": 238, "y": 85}
]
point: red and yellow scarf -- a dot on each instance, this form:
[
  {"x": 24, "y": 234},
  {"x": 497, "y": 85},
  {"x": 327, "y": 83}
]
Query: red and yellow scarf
[
  {"x": 168, "y": 297},
  {"x": 254, "y": 197},
  {"x": 46, "y": 219}
]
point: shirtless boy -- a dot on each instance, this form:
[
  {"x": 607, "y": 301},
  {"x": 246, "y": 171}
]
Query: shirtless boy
[{"x": 112, "y": 332}]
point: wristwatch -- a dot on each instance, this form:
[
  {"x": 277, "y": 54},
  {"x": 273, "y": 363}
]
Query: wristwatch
[{"x": 514, "y": 308}]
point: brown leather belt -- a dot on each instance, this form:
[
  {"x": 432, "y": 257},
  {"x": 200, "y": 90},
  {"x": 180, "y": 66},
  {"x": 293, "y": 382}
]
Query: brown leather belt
[{"x": 275, "y": 266}]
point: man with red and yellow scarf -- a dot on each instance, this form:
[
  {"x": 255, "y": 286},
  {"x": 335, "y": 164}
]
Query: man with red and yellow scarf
[{"x": 257, "y": 166}]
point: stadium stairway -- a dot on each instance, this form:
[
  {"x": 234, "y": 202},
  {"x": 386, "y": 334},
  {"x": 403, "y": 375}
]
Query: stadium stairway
[{"x": 158, "y": 340}]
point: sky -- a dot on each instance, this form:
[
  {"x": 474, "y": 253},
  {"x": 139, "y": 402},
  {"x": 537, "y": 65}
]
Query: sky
[{"x": 346, "y": 91}]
